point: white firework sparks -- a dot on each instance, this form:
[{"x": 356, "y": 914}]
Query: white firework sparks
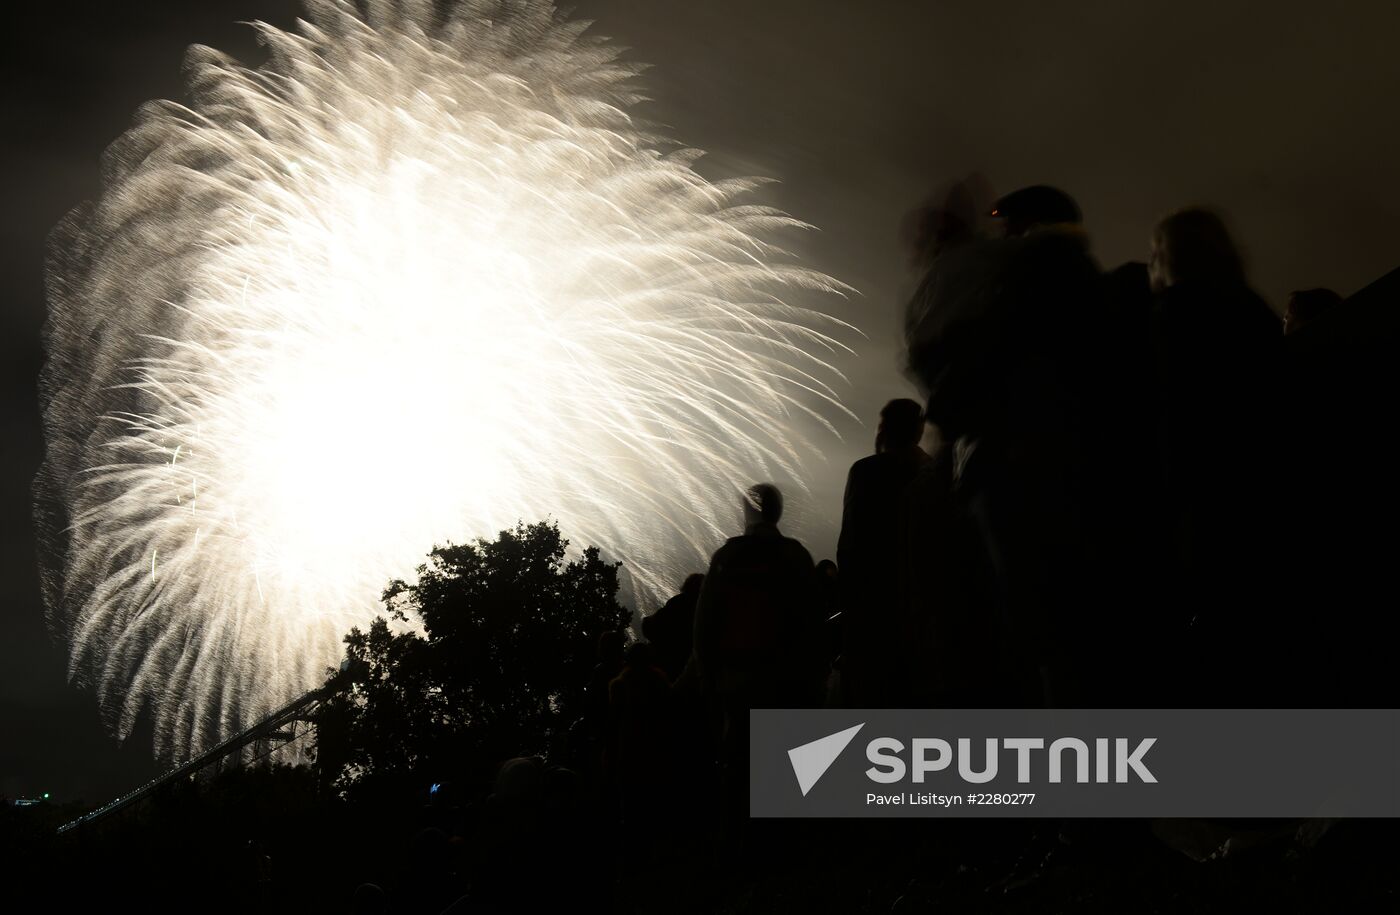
[{"x": 416, "y": 278}]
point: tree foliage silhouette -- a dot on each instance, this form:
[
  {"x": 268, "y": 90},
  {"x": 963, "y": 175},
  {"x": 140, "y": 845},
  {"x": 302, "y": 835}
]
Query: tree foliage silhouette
[{"x": 498, "y": 670}]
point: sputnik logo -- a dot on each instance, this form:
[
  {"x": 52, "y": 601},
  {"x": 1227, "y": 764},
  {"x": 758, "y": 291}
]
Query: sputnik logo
[{"x": 811, "y": 760}]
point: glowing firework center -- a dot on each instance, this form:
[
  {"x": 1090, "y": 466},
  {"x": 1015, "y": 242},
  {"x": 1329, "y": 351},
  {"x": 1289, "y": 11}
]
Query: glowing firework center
[{"x": 393, "y": 288}]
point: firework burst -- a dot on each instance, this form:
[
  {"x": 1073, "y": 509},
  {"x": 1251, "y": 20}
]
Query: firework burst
[{"x": 415, "y": 278}]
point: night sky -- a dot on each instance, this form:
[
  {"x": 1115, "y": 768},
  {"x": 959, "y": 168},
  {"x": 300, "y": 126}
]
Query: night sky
[{"x": 1280, "y": 114}]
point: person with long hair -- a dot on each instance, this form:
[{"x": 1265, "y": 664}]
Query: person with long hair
[{"x": 1217, "y": 340}]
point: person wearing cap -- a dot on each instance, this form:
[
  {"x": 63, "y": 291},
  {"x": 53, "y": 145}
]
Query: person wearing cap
[
  {"x": 1040, "y": 205},
  {"x": 1306, "y": 306},
  {"x": 1026, "y": 480},
  {"x": 1100, "y": 342}
]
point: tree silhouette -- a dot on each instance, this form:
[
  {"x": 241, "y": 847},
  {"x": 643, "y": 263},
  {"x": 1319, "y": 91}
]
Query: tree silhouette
[{"x": 507, "y": 633}]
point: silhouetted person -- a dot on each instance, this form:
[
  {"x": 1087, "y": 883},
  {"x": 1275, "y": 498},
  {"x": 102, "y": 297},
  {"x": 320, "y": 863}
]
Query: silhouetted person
[
  {"x": 1306, "y": 305},
  {"x": 758, "y": 631},
  {"x": 671, "y": 629},
  {"x": 949, "y": 218},
  {"x": 508, "y": 849},
  {"x": 597, "y": 717},
  {"x": 1338, "y": 457},
  {"x": 1217, "y": 344},
  {"x": 1006, "y": 359},
  {"x": 946, "y": 319},
  {"x": 868, "y": 553},
  {"x": 1031, "y": 477},
  {"x": 640, "y": 704}
]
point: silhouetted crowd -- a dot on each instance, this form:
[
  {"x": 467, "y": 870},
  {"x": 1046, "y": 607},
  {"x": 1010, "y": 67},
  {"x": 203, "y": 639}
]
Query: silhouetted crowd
[{"x": 1110, "y": 497}]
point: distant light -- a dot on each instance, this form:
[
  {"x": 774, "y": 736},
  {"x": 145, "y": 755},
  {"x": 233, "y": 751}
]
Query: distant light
[{"x": 46, "y": 795}]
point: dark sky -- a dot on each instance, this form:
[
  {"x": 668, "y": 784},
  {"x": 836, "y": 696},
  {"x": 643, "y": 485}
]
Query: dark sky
[{"x": 1281, "y": 114}]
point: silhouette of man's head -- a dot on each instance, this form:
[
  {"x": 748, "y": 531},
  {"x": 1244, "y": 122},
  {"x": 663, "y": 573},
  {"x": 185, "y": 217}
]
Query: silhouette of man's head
[
  {"x": 1193, "y": 246},
  {"x": 1305, "y": 305},
  {"x": 901, "y": 424},
  {"x": 518, "y": 780},
  {"x": 1034, "y": 207},
  {"x": 762, "y": 503},
  {"x": 641, "y": 655},
  {"x": 693, "y": 583},
  {"x": 369, "y": 899}
]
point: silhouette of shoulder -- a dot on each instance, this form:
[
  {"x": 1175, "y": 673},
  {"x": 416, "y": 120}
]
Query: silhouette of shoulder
[{"x": 745, "y": 546}]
